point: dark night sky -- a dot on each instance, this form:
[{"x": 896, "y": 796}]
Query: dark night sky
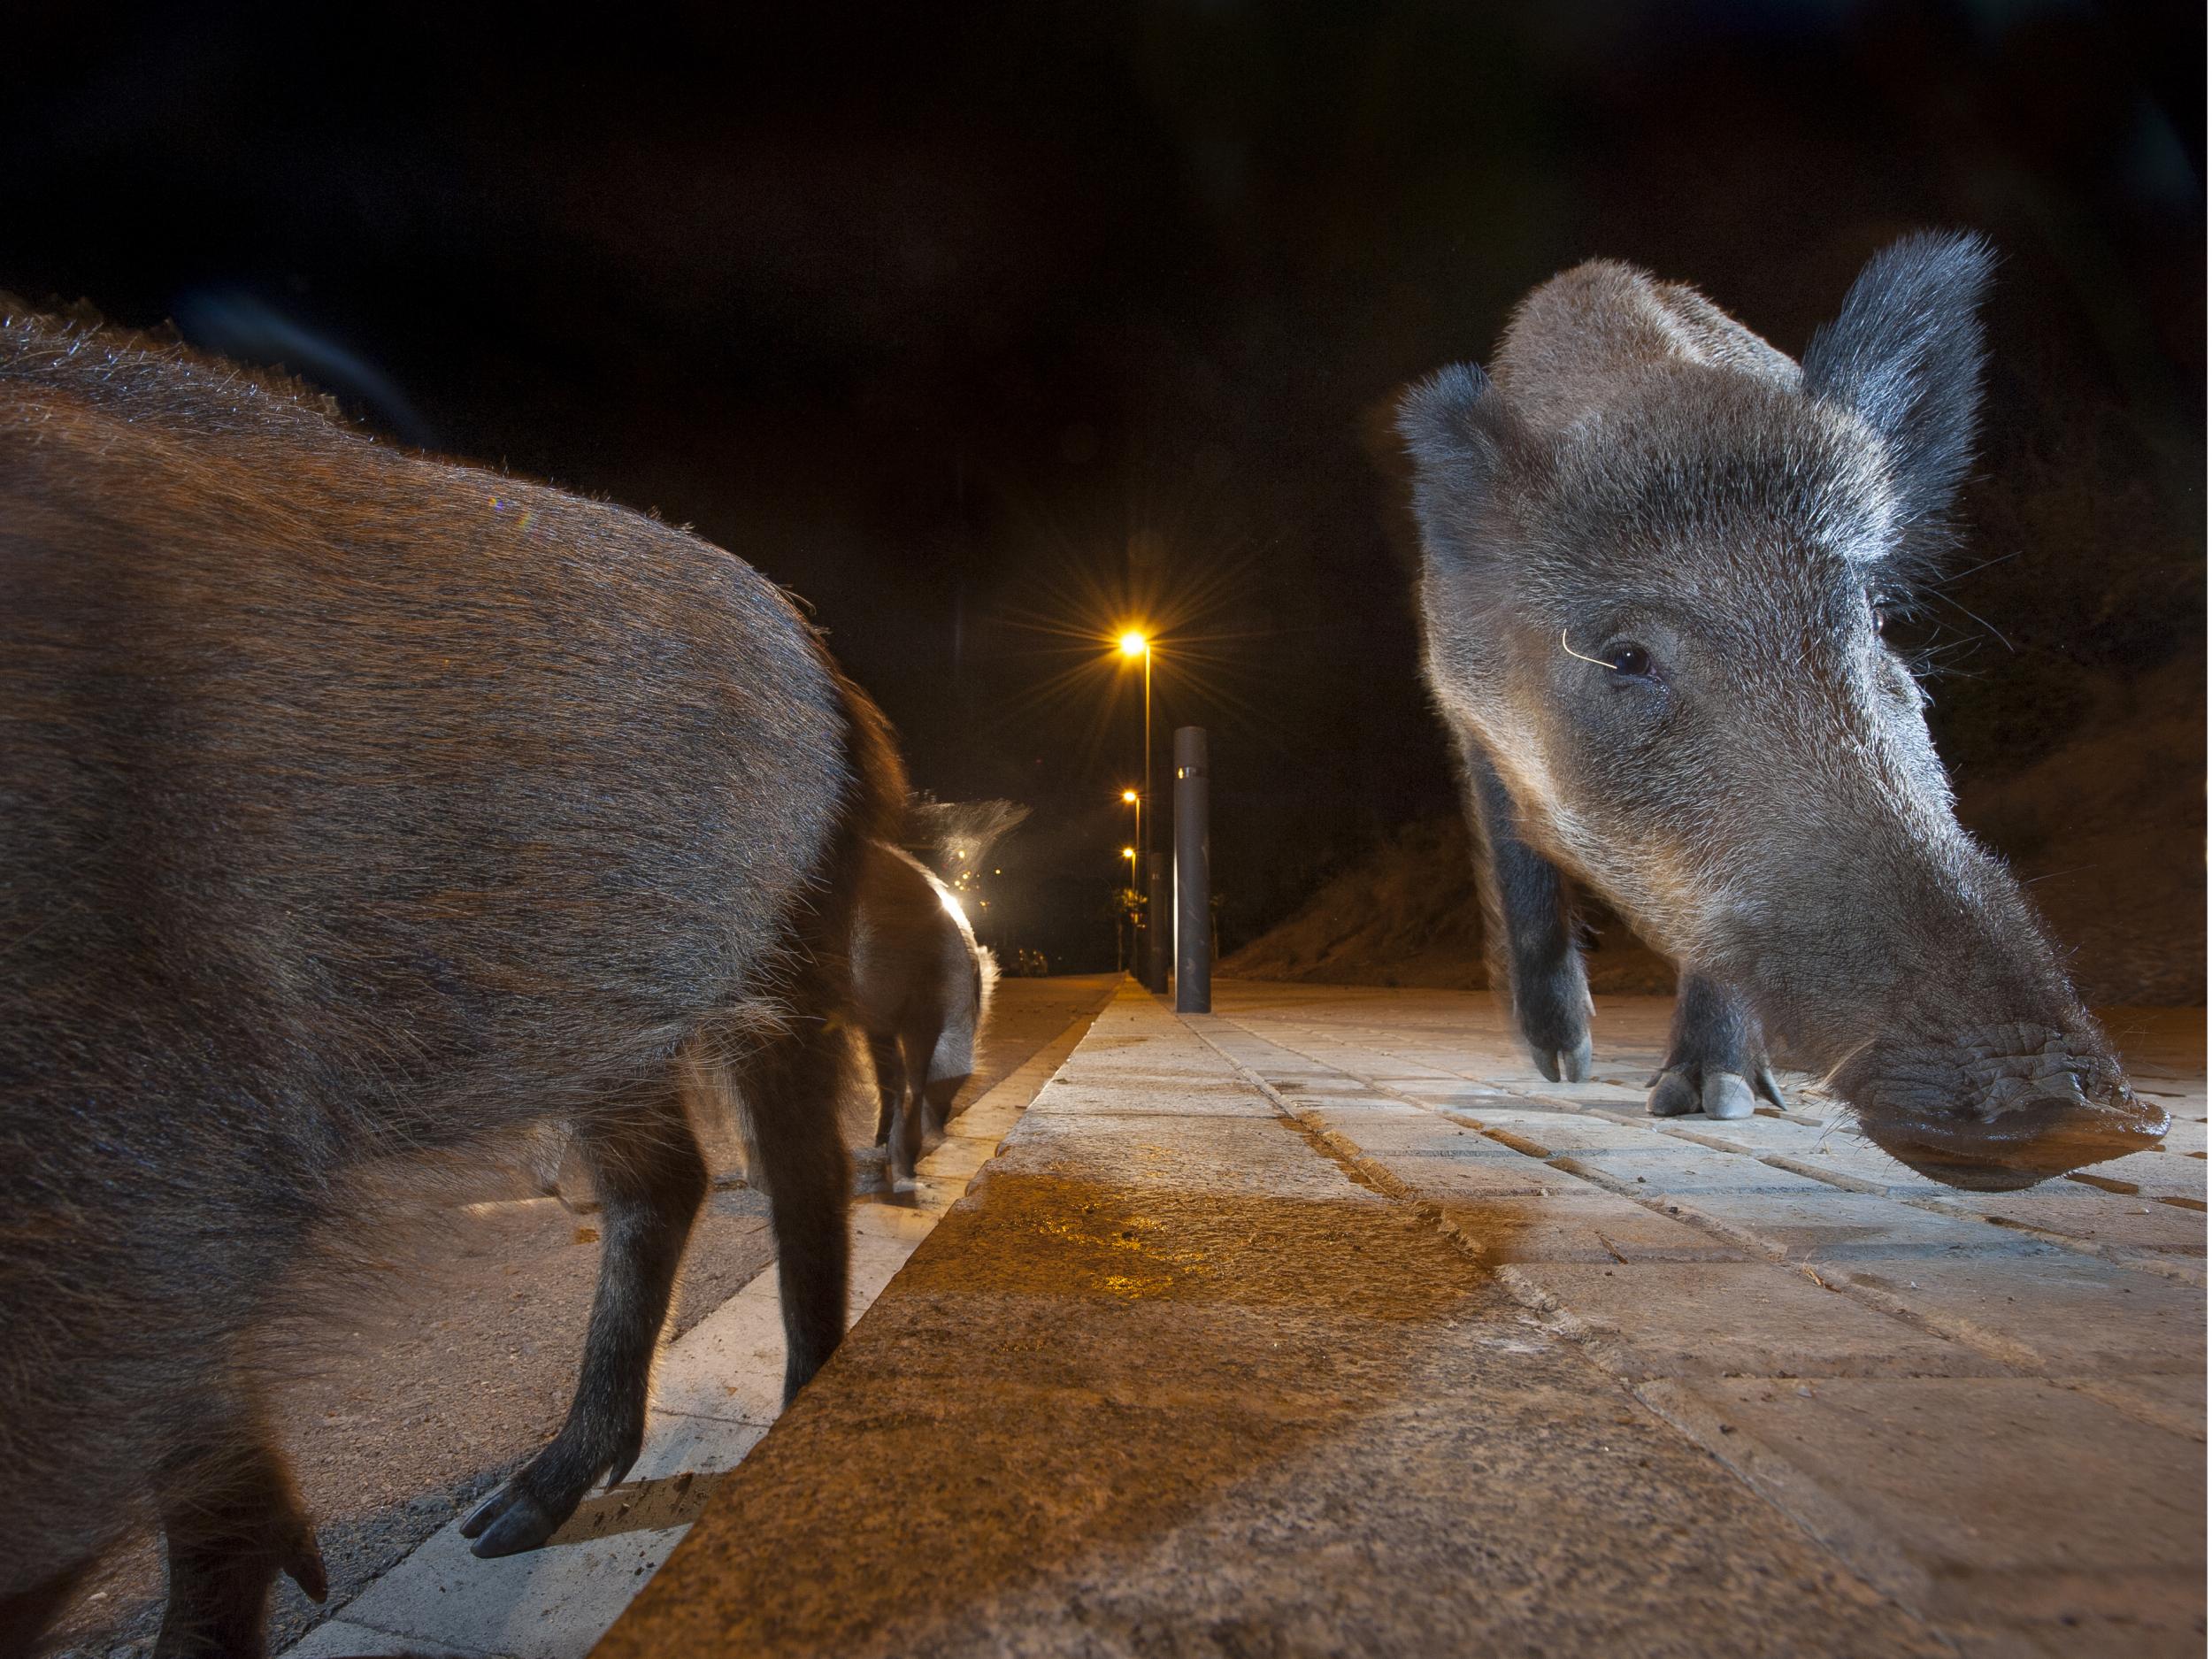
[{"x": 982, "y": 328}]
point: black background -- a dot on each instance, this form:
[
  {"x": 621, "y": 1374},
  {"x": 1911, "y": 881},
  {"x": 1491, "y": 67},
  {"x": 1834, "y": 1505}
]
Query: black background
[{"x": 987, "y": 328}]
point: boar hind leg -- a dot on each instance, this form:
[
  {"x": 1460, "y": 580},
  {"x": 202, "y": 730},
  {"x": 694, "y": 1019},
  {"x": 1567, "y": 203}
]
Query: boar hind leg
[
  {"x": 918, "y": 1042},
  {"x": 232, "y": 1521},
  {"x": 890, "y": 1083},
  {"x": 647, "y": 1169},
  {"x": 1717, "y": 1057},
  {"x": 791, "y": 1089},
  {"x": 939, "y": 1093},
  {"x": 1530, "y": 923}
]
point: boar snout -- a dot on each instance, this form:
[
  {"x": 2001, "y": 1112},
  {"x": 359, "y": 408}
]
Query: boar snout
[{"x": 1998, "y": 1108}]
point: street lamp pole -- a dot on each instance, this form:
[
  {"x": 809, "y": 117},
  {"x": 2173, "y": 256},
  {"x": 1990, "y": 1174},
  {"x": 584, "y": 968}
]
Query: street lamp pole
[{"x": 1143, "y": 829}]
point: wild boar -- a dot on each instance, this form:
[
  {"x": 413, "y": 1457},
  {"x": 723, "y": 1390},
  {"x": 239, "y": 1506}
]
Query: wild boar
[
  {"x": 357, "y": 803},
  {"x": 1657, "y": 555},
  {"x": 921, "y": 991}
]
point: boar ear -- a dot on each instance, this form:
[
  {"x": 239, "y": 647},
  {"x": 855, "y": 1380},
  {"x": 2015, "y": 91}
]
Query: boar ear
[
  {"x": 1450, "y": 423},
  {"x": 1905, "y": 356}
]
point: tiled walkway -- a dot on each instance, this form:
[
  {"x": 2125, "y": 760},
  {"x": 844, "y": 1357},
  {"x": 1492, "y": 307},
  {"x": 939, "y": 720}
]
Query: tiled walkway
[
  {"x": 1322, "y": 1325},
  {"x": 1992, "y": 1406}
]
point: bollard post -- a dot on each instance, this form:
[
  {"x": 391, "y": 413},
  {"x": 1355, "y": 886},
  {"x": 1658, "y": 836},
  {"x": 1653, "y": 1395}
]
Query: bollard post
[
  {"x": 1159, "y": 927},
  {"x": 1193, "y": 876}
]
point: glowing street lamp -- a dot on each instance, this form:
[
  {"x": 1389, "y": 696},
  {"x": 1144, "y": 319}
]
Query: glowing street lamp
[{"x": 1133, "y": 644}]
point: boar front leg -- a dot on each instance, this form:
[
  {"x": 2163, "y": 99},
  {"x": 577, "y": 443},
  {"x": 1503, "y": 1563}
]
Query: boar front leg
[
  {"x": 1529, "y": 918},
  {"x": 1717, "y": 1057},
  {"x": 650, "y": 1178}
]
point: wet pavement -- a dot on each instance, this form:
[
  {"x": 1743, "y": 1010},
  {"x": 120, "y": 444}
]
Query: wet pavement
[{"x": 1323, "y": 1324}]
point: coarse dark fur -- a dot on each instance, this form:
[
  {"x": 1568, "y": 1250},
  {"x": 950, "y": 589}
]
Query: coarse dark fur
[
  {"x": 1657, "y": 555},
  {"x": 356, "y": 805},
  {"x": 921, "y": 990}
]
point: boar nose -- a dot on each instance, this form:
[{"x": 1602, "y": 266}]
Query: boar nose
[{"x": 2027, "y": 1131}]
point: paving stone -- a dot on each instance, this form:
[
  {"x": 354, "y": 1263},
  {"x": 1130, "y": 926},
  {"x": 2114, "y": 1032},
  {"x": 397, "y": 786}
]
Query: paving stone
[
  {"x": 677, "y": 1445},
  {"x": 1572, "y": 1224},
  {"x": 1209, "y": 1153},
  {"x": 1833, "y": 1226},
  {"x": 336, "y": 1638},
  {"x": 1661, "y": 1163},
  {"x": 1670, "y": 1318},
  {"x": 2013, "y": 1504},
  {"x": 1146, "y": 1095},
  {"x": 2076, "y": 1315},
  {"x": 2096, "y": 1217},
  {"x": 549, "y": 1603},
  {"x": 1173, "y": 1379},
  {"x": 2165, "y": 1174}
]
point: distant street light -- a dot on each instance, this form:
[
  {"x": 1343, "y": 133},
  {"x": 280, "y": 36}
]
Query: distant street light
[
  {"x": 1133, "y": 644},
  {"x": 1121, "y": 908}
]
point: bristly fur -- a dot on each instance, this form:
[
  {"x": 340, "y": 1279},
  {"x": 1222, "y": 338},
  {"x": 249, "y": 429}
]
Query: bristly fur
[{"x": 359, "y": 804}]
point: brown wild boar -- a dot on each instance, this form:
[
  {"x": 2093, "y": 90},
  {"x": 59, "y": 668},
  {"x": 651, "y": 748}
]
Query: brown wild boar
[
  {"x": 357, "y": 803},
  {"x": 1657, "y": 557},
  {"x": 921, "y": 991}
]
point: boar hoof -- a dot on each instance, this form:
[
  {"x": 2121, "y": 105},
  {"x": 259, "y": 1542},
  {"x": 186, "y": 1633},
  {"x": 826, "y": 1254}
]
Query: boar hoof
[
  {"x": 1673, "y": 1095},
  {"x": 304, "y": 1565},
  {"x": 1565, "y": 1065},
  {"x": 508, "y": 1522},
  {"x": 1676, "y": 1093},
  {"x": 1727, "y": 1096}
]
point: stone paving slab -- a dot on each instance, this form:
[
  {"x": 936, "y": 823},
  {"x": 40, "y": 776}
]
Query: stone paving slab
[
  {"x": 336, "y": 1638},
  {"x": 2110, "y": 1559},
  {"x": 1206, "y": 1382},
  {"x": 2066, "y": 1404}
]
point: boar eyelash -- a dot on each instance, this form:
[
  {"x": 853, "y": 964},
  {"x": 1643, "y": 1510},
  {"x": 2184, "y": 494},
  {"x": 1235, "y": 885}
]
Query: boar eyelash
[{"x": 1570, "y": 651}]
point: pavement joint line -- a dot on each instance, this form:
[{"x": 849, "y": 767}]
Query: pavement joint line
[
  {"x": 2014, "y": 1356},
  {"x": 2180, "y": 1269}
]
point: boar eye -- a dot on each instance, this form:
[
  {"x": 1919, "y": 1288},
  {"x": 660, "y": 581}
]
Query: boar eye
[{"x": 1628, "y": 657}]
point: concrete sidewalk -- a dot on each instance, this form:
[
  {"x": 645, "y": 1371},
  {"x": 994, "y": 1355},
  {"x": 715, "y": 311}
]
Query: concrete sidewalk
[
  {"x": 716, "y": 1390},
  {"x": 1321, "y": 1326}
]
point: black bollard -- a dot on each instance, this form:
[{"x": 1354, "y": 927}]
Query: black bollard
[
  {"x": 1193, "y": 876},
  {"x": 1159, "y": 928}
]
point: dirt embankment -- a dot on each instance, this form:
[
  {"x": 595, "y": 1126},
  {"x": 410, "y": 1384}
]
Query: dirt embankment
[{"x": 2107, "y": 830}]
